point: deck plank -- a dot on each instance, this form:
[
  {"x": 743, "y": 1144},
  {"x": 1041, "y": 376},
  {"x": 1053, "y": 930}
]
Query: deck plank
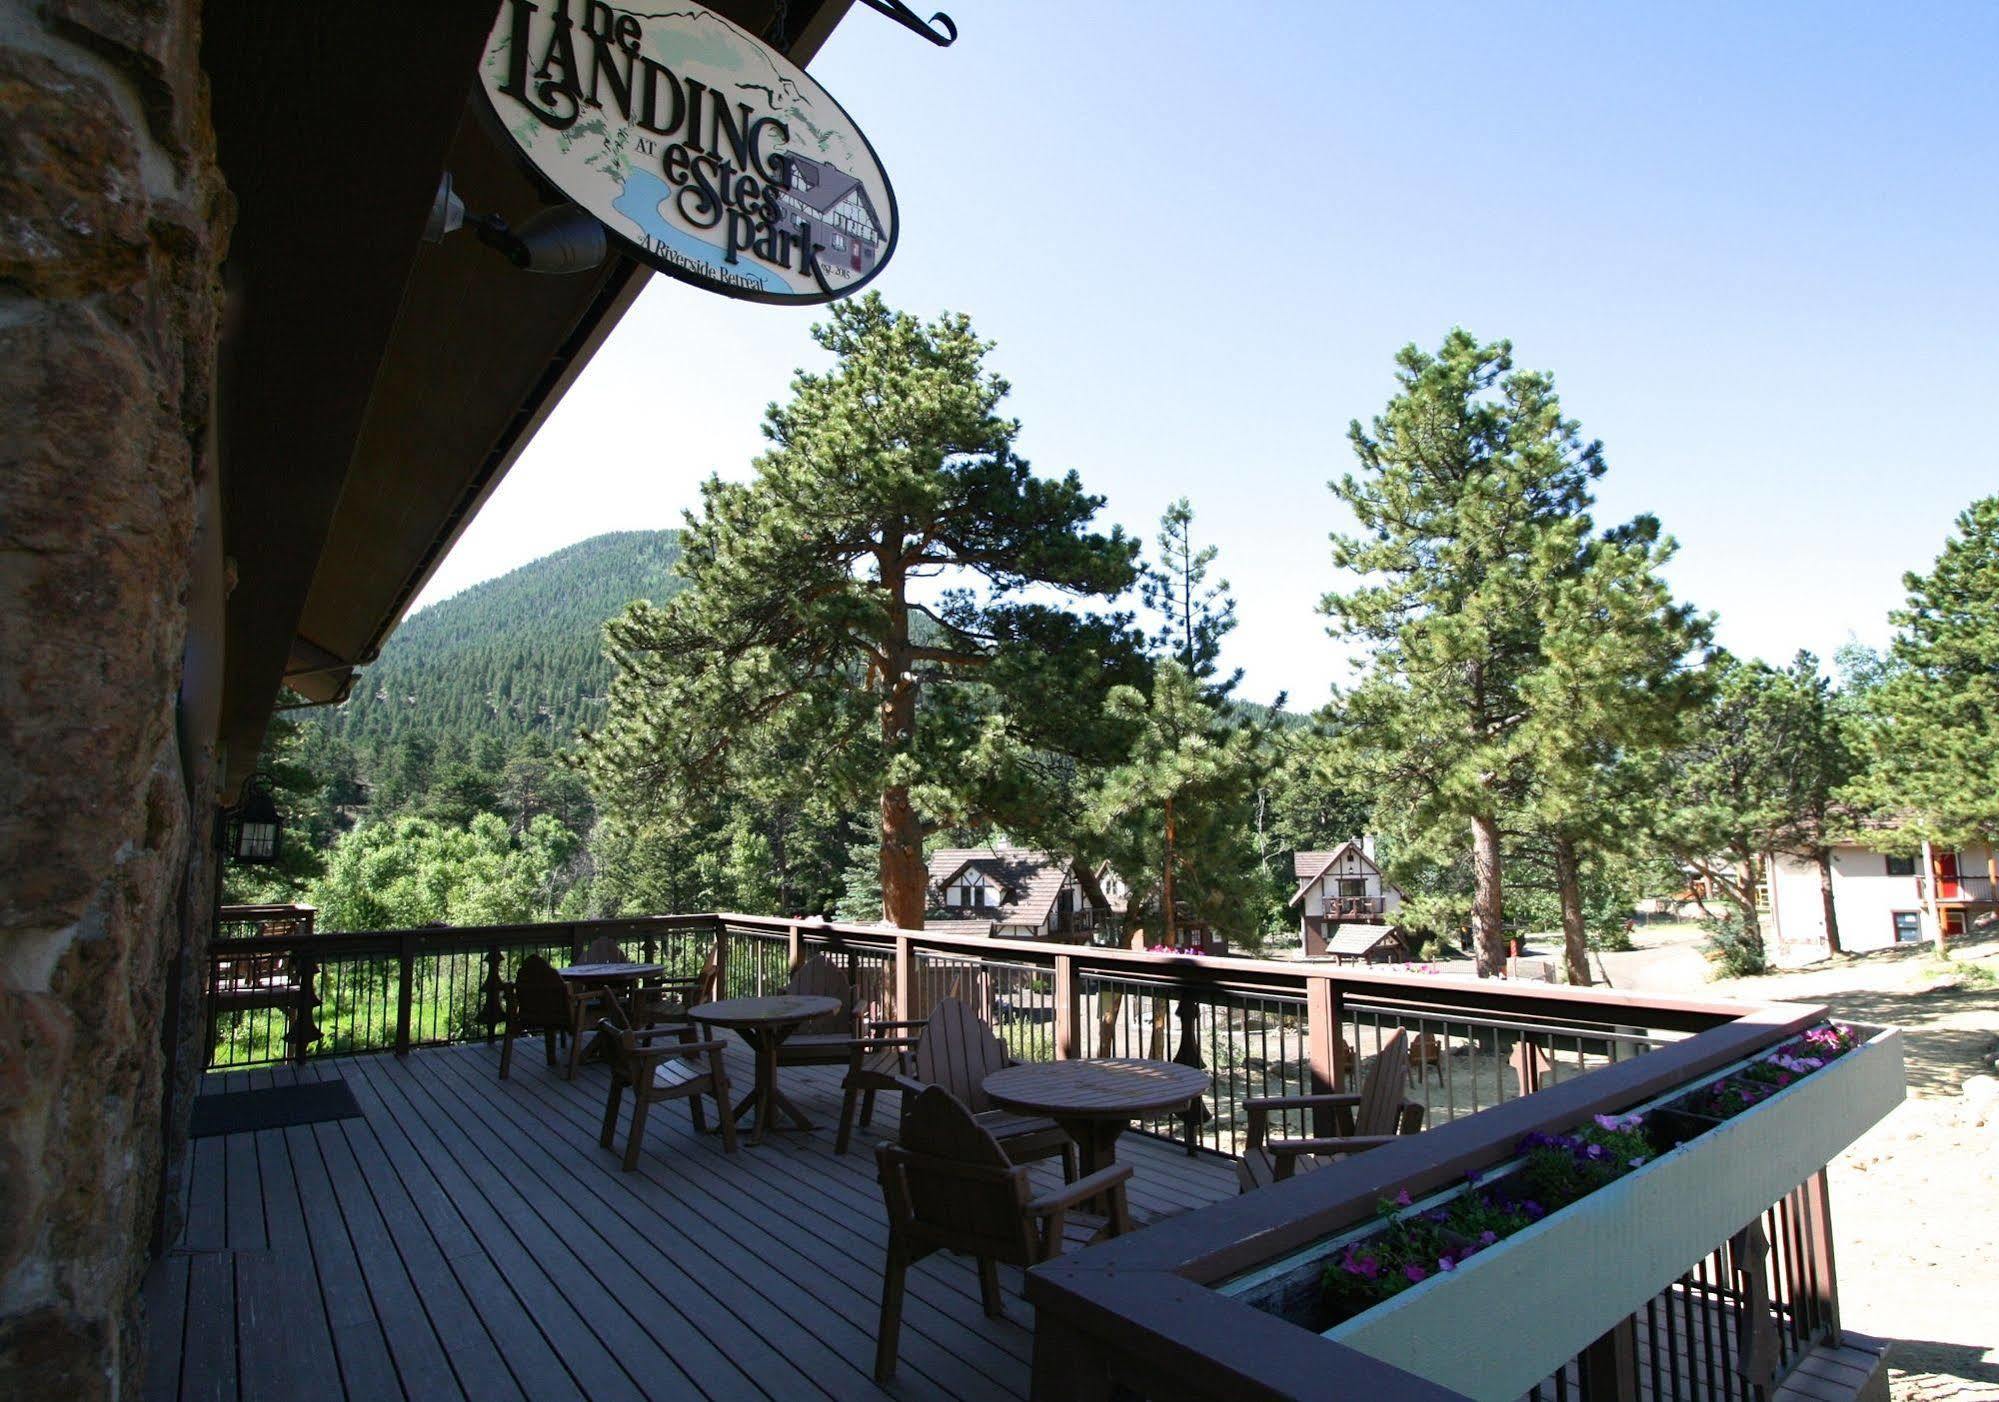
[
  {"x": 469, "y": 1237},
  {"x": 360, "y": 1348},
  {"x": 662, "y": 1289},
  {"x": 714, "y": 1214}
]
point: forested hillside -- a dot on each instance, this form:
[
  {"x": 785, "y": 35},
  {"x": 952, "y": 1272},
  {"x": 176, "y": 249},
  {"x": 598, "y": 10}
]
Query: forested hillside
[{"x": 514, "y": 656}]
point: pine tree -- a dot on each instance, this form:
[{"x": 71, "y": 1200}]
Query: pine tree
[
  {"x": 844, "y": 600},
  {"x": 1818, "y": 756},
  {"x": 1470, "y": 502},
  {"x": 1611, "y": 694},
  {"x": 1727, "y": 790},
  {"x": 1175, "y": 819},
  {"x": 1931, "y": 729},
  {"x": 1194, "y": 615}
]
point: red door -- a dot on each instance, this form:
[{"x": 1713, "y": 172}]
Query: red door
[{"x": 1947, "y": 888}]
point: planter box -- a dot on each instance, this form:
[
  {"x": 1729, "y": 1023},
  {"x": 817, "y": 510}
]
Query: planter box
[{"x": 1495, "y": 1326}]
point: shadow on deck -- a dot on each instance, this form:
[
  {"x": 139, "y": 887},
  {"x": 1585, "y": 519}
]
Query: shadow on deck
[{"x": 467, "y": 1237}]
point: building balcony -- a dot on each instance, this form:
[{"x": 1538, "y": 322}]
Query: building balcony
[{"x": 464, "y": 1235}]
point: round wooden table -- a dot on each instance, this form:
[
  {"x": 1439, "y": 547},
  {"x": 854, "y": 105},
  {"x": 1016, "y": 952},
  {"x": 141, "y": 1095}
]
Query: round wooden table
[
  {"x": 764, "y": 1023},
  {"x": 1094, "y": 1101}
]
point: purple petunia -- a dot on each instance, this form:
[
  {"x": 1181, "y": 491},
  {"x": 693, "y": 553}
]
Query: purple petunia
[
  {"x": 1402, "y": 1198},
  {"x": 1415, "y": 1272}
]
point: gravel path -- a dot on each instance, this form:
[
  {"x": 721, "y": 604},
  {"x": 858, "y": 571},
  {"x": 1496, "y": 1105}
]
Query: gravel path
[{"x": 1915, "y": 1202}]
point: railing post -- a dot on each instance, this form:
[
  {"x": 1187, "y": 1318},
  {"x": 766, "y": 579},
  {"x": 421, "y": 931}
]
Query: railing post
[
  {"x": 794, "y": 946},
  {"x": 494, "y": 1011},
  {"x": 304, "y": 1031},
  {"x": 575, "y": 944},
  {"x": 405, "y": 991},
  {"x": 905, "y": 980},
  {"x": 1824, "y": 1281},
  {"x": 721, "y": 960},
  {"x": 1068, "y": 1010},
  {"x": 1610, "y": 1365},
  {"x": 1324, "y": 1049},
  {"x": 1189, "y": 1054}
]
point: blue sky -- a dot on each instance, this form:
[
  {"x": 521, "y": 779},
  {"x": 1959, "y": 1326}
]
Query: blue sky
[{"x": 1754, "y": 244}]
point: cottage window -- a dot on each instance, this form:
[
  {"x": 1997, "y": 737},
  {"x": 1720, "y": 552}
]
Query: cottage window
[
  {"x": 1908, "y": 926},
  {"x": 1901, "y": 866}
]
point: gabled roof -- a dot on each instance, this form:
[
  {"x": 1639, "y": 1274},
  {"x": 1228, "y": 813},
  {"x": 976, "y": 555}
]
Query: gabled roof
[
  {"x": 829, "y": 186},
  {"x": 1354, "y": 939},
  {"x": 1308, "y": 867},
  {"x": 1029, "y": 882}
]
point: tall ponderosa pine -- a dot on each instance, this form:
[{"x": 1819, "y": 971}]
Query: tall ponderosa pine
[
  {"x": 1470, "y": 500},
  {"x": 852, "y": 595},
  {"x": 1614, "y": 688},
  {"x": 1932, "y": 724},
  {"x": 1818, "y": 755},
  {"x": 1728, "y": 788},
  {"x": 1176, "y": 819},
  {"x": 1194, "y": 614}
]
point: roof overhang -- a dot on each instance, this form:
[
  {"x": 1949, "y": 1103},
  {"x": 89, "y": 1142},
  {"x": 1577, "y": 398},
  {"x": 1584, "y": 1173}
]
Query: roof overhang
[{"x": 374, "y": 389}]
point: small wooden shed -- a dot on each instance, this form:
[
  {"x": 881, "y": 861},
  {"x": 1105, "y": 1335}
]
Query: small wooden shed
[{"x": 1356, "y": 943}]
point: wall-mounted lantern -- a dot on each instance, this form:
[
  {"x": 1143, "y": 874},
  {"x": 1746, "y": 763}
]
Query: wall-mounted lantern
[{"x": 254, "y": 825}]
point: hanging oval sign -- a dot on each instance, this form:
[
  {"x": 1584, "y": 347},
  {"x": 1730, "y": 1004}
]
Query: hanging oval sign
[{"x": 713, "y": 156}]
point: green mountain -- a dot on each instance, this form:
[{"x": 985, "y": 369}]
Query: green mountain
[{"x": 518, "y": 654}]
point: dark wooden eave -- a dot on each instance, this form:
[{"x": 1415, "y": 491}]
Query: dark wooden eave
[{"x": 374, "y": 389}]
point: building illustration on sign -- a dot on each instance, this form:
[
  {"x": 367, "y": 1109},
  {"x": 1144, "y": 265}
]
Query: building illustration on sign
[
  {"x": 835, "y": 207},
  {"x": 712, "y": 157}
]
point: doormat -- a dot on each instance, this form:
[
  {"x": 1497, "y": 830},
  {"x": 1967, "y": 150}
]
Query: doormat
[{"x": 237, "y": 1112}]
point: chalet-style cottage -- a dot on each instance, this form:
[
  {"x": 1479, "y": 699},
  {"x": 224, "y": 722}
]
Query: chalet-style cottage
[
  {"x": 1341, "y": 887},
  {"x": 1007, "y": 892},
  {"x": 1880, "y": 900}
]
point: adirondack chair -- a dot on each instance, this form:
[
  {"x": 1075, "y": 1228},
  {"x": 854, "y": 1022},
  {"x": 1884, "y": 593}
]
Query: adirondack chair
[
  {"x": 540, "y": 1000},
  {"x": 954, "y": 1049},
  {"x": 657, "y": 1069},
  {"x": 604, "y": 950},
  {"x": 1426, "y": 1054},
  {"x": 665, "y": 1000},
  {"x": 828, "y": 1040},
  {"x": 949, "y": 1186},
  {"x": 1365, "y": 1121}
]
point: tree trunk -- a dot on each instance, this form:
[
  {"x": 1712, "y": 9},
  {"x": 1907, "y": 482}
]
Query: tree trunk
[
  {"x": 904, "y": 878},
  {"x": 903, "y": 875},
  {"x": 905, "y": 881},
  {"x": 1575, "y": 939},
  {"x": 1824, "y": 857},
  {"x": 1166, "y": 919},
  {"x": 1929, "y": 889},
  {"x": 1488, "y": 942}
]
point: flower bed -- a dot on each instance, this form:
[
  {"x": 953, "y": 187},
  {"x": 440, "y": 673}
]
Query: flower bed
[{"x": 1411, "y": 1244}]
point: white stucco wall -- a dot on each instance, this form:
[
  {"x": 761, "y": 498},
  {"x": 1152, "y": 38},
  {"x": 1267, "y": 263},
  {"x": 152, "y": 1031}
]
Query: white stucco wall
[
  {"x": 1351, "y": 866},
  {"x": 1864, "y": 895}
]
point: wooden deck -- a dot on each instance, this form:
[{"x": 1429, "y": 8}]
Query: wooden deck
[{"x": 467, "y": 1237}]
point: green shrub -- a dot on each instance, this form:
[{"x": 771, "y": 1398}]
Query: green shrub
[{"x": 1732, "y": 949}]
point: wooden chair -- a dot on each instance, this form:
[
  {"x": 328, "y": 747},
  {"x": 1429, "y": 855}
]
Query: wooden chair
[
  {"x": 957, "y": 1050},
  {"x": 541, "y": 1000},
  {"x": 1426, "y": 1054},
  {"x": 1364, "y": 1121},
  {"x": 828, "y": 1040},
  {"x": 604, "y": 950},
  {"x": 667, "y": 999},
  {"x": 949, "y": 1186},
  {"x": 680, "y": 1069}
]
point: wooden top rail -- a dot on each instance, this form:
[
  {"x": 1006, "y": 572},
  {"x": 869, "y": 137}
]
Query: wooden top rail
[
  {"x": 1426, "y": 992},
  {"x": 1147, "y": 1296}
]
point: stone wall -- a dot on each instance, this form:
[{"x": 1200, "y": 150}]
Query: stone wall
[{"x": 111, "y": 220}]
